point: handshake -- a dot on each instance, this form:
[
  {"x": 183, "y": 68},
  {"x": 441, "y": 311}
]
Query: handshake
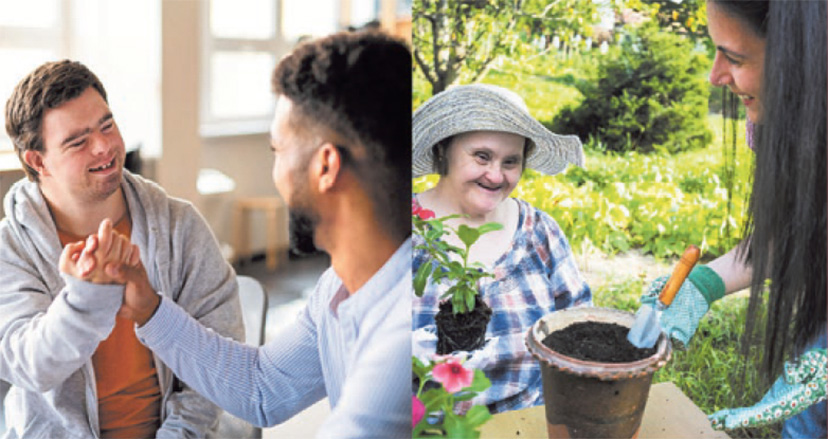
[{"x": 108, "y": 257}]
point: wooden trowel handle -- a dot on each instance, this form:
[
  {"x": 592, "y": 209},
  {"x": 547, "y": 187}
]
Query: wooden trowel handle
[{"x": 685, "y": 264}]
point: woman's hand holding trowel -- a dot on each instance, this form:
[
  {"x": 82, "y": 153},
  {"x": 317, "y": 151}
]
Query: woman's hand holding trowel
[{"x": 647, "y": 327}]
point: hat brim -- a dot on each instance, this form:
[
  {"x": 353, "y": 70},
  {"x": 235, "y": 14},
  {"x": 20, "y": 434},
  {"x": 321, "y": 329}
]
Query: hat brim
[{"x": 474, "y": 108}]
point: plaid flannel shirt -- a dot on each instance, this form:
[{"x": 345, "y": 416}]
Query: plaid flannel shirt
[{"x": 537, "y": 276}]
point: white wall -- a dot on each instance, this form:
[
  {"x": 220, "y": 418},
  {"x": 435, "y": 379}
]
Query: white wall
[
  {"x": 121, "y": 42},
  {"x": 7, "y": 178},
  {"x": 180, "y": 160},
  {"x": 248, "y": 161}
]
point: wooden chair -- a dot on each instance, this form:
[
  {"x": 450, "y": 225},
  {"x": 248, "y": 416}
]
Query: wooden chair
[{"x": 276, "y": 227}]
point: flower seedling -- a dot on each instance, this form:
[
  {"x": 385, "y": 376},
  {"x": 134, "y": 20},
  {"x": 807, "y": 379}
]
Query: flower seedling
[
  {"x": 442, "y": 383},
  {"x": 450, "y": 262}
]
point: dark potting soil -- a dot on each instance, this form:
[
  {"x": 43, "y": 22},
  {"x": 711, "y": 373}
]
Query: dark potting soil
[
  {"x": 461, "y": 332},
  {"x": 596, "y": 341}
]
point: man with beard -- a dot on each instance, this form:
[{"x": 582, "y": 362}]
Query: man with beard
[
  {"x": 77, "y": 370},
  {"x": 341, "y": 139}
]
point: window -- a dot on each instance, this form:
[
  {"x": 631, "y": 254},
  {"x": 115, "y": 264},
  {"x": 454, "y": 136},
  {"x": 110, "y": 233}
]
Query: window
[
  {"x": 243, "y": 42},
  {"x": 119, "y": 41},
  {"x": 31, "y": 34}
]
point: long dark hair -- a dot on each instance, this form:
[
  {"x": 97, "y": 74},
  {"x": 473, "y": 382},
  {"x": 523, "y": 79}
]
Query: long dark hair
[{"x": 787, "y": 210}]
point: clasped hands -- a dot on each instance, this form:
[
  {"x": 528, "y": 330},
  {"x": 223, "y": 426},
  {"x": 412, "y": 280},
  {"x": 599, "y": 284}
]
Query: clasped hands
[{"x": 108, "y": 257}]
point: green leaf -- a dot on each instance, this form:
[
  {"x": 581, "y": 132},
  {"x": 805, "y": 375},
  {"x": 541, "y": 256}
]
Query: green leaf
[
  {"x": 451, "y": 292},
  {"x": 421, "y": 278},
  {"x": 467, "y": 234},
  {"x": 489, "y": 227},
  {"x": 458, "y": 305},
  {"x": 470, "y": 295},
  {"x": 448, "y": 217},
  {"x": 463, "y": 396},
  {"x": 419, "y": 368},
  {"x": 452, "y": 248},
  {"x": 477, "y": 416},
  {"x": 437, "y": 226},
  {"x": 457, "y": 269},
  {"x": 480, "y": 382},
  {"x": 456, "y": 427},
  {"x": 434, "y": 399}
]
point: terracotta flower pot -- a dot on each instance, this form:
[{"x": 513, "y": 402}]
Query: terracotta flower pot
[{"x": 586, "y": 399}]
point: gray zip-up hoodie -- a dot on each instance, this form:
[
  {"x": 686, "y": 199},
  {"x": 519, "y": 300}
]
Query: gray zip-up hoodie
[{"x": 51, "y": 324}]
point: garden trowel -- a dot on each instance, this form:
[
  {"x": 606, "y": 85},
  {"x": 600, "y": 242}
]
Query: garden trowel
[{"x": 646, "y": 328}]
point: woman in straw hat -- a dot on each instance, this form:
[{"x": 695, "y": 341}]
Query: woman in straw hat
[{"x": 479, "y": 139}]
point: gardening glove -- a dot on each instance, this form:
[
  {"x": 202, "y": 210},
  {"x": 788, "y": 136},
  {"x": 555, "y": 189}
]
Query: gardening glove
[
  {"x": 680, "y": 320},
  {"x": 800, "y": 386}
]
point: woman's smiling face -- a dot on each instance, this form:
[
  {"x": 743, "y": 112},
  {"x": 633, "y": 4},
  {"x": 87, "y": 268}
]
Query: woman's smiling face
[
  {"x": 483, "y": 168},
  {"x": 740, "y": 58}
]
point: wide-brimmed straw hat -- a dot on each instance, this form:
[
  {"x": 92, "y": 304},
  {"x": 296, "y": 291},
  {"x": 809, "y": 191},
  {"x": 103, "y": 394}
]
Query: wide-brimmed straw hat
[{"x": 482, "y": 107}]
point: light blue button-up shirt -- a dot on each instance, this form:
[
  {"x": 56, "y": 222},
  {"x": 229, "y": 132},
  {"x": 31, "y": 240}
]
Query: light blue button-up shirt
[{"x": 354, "y": 349}]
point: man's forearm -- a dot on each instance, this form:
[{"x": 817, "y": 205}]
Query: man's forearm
[
  {"x": 187, "y": 347},
  {"x": 261, "y": 388}
]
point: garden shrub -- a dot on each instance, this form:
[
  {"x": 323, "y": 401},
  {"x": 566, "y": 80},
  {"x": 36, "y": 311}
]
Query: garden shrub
[{"x": 650, "y": 94}]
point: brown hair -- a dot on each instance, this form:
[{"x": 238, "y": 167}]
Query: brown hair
[{"x": 48, "y": 86}]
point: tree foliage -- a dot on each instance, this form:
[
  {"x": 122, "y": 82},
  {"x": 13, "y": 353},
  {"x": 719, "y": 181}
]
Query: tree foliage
[
  {"x": 457, "y": 41},
  {"x": 688, "y": 17},
  {"x": 650, "y": 94}
]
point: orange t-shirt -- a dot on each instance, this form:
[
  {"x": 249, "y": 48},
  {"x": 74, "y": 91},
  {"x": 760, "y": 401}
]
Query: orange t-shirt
[{"x": 129, "y": 395}]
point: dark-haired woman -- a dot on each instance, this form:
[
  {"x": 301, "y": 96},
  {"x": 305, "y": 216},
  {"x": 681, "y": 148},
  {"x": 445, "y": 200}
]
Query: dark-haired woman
[{"x": 772, "y": 55}]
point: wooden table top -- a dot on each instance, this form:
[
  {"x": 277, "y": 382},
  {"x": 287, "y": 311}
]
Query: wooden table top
[{"x": 669, "y": 413}]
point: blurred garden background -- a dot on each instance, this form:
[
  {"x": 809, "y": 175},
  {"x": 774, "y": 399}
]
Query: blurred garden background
[{"x": 664, "y": 167}]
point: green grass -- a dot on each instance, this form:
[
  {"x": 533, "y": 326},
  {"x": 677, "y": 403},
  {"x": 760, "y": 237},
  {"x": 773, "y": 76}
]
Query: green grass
[
  {"x": 711, "y": 370},
  {"x": 544, "y": 95},
  {"x": 545, "y": 82}
]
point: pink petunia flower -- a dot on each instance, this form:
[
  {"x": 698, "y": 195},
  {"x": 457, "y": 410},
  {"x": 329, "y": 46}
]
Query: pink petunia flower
[
  {"x": 425, "y": 214},
  {"x": 420, "y": 212},
  {"x": 453, "y": 376},
  {"x": 417, "y": 411}
]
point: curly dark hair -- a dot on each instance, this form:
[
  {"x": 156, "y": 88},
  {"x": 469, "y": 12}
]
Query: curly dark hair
[
  {"x": 358, "y": 84},
  {"x": 48, "y": 86}
]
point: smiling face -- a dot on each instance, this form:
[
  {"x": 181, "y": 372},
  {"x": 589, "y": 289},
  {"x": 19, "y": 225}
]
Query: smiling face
[
  {"x": 483, "y": 168},
  {"x": 740, "y": 58},
  {"x": 83, "y": 152}
]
